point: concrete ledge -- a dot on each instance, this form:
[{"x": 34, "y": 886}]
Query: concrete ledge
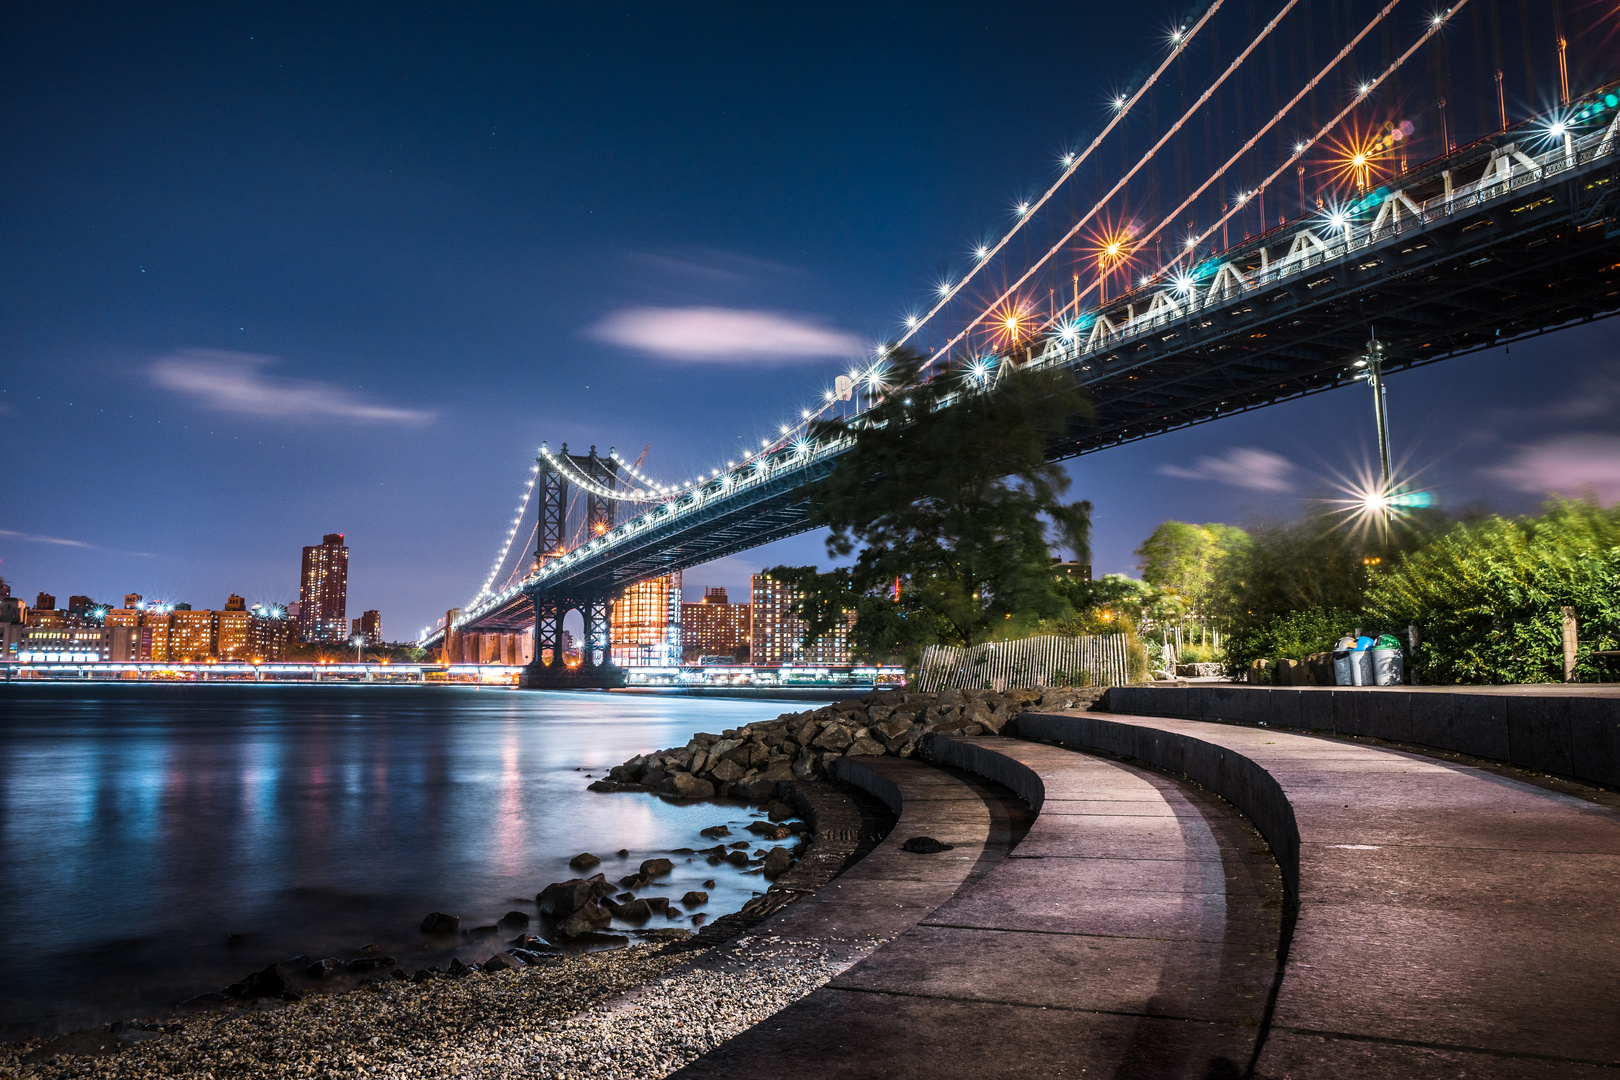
[
  {"x": 1440, "y": 907},
  {"x": 1571, "y": 731},
  {"x": 1232, "y": 776}
]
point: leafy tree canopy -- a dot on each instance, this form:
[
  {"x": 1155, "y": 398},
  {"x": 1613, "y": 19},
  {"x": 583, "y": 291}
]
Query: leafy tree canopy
[
  {"x": 1181, "y": 558},
  {"x": 947, "y": 494}
]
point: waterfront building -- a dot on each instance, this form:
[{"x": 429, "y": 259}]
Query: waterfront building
[
  {"x": 45, "y": 602},
  {"x": 777, "y": 633},
  {"x": 368, "y": 627},
  {"x": 270, "y": 633},
  {"x": 233, "y": 630},
  {"x": 1080, "y": 571},
  {"x": 646, "y": 623},
  {"x": 323, "y": 592},
  {"x": 715, "y": 627},
  {"x": 74, "y": 645}
]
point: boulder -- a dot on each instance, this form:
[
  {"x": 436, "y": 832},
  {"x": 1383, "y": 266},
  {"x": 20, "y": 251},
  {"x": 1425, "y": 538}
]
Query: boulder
[
  {"x": 694, "y": 899},
  {"x": 589, "y": 917},
  {"x": 566, "y": 897},
  {"x": 864, "y": 747},
  {"x": 658, "y": 904},
  {"x": 777, "y": 862},
  {"x": 634, "y": 911},
  {"x": 502, "y": 962},
  {"x": 369, "y": 963},
  {"x": 634, "y": 881},
  {"x": 481, "y": 931},
  {"x": 728, "y": 771},
  {"x": 715, "y": 832},
  {"x": 737, "y": 858},
  {"x": 768, "y": 831},
  {"x": 323, "y": 969},
  {"x": 834, "y": 737},
  {"x": 657, "y": 867},
  {"x": 439, "y": 924},
  {"x": 272, "y": 982},
  {"x": 709, "y": 883},
  {"x": 780, "y": 811},
  {"x": 584, "y": 861},
  {"x": 515, "y": 918},
  {"x": 687, "y": 786},
  {"x": 756, "y": 788}
]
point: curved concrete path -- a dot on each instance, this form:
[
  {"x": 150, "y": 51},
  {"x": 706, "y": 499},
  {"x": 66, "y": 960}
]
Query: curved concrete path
[
  {"x": 1451, "y": 922},
  {"x": 1133, "y": 932}
]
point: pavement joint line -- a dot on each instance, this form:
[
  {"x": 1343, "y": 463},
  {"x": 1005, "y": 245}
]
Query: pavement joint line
[
  {"x": 1129, "y": 1013},
  {"x": 1454, "y": 1047},
  {"x": 1073, "y": 933}
]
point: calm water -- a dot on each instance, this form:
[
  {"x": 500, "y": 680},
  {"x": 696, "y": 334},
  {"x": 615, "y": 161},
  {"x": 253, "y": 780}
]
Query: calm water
[{"x": 141, "y": 826}]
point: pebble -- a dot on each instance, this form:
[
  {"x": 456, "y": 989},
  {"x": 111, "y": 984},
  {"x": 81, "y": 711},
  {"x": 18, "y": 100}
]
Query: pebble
[{"x": 628, "y": 1013}]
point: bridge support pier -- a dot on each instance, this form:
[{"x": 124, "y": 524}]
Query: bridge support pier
[{"x": 549, "y": 669}]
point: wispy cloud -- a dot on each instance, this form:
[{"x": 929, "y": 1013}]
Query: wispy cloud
[
  {"x": 236, "y": 382},
  {"x": 1576, "y": 465},
  {"x": 723, "y": 335},
  {"x": 1241, "y": 466},
  {"x": 33, "y": 538}
]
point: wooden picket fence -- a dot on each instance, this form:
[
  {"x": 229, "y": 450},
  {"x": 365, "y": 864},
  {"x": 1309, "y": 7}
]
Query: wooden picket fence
[{"x": 1035, "y": 661}]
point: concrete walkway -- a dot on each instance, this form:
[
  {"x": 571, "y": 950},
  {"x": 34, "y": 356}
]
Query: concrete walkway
[
  {"x": 1133, "y": 932},
  {"x": 1451, "y": 922}
]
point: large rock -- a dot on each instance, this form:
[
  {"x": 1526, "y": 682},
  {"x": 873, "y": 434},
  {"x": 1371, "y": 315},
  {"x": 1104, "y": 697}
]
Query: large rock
[
  {"x": 562, "y": 898},
  {"x": 634, "y": 911},
  {"x": 588, "y": 918},
  {"x": 834, "y": 737},
  {"x": 715, "y": 832},
  {"x": 323, "y": 969},
  {"x": 694, "y": 899},
  {"x": 864, "y": 747},
  {"x": 728, "y": 771},
  {"x": 769, "y": 831},
  {"x": 777, "y": 862},
  {"x": 272, "y": 982},
  {"x": 584, "y": 861},
  {"x": 515, "y": 918},
  {"x": 656, "y": 867},
  {"x": 439, "y": 924},
  {"x": 686, "y": 786},
  {"x": 502, "y": 962}
]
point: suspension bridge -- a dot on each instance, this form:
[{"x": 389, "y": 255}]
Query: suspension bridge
[{"x": 1512, "y": 234}]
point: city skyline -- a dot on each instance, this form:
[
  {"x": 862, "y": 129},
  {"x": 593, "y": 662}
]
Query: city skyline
[{"x": 290, "y": 355}]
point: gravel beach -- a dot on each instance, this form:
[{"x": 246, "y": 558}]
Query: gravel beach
[{"x": 638, "y": 1012}]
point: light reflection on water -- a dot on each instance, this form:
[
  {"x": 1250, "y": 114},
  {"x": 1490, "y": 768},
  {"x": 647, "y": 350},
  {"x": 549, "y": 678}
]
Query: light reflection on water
[{"x": 141, "y": 825}]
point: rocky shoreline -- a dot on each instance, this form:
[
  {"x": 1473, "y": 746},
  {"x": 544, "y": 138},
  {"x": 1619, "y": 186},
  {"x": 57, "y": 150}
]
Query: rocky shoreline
[
  {"x": 761, "y": 760},
  {"x": 642, "y": 1010}
]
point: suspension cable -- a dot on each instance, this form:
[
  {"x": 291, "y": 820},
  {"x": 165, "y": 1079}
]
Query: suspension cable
[
  {"x": 1246, "y": 147},
  {"x": 1265, "y": 32},
  {"x": 1120, "y": 112}
]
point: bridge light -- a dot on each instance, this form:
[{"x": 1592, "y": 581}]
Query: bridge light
[
  {"x": 1022, "y": 209},
  {"x": 1184, "y": 284},
  {"x": 1119, "y": 103},
  {"x": 981, "y": 252},
  {"x": 944, "y": 288},
  {"x": 911, "y": 322},
  {"x": 1364, "y": 89},
  {"x": 1068, "y": 159}
]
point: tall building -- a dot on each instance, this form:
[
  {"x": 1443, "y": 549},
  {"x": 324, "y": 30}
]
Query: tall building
[
  {"x": 233, "y": 630},
  {"x": 45, "y": 602},
  {"x": 368, "y": 627},
  {"x": 715, "y": 627},
  {"x": 778, "y": 634},
  {"x": 646, "y": 624},
  {"x": 270, "y": 633},
  {"x": 323, "y": 592}
]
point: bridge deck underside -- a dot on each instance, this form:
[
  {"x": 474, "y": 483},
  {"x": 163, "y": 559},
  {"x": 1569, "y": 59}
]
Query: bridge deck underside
[{"x": 1542, "y": 260}]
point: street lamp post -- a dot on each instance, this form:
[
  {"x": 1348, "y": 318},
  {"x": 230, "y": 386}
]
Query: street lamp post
[{"x": 360, "y": 642}]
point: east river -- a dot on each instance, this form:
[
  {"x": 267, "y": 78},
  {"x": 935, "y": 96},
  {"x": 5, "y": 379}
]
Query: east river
[{"x": 158, "y": 842}]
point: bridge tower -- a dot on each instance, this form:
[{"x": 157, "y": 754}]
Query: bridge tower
[{"x": 548, "y": 667}]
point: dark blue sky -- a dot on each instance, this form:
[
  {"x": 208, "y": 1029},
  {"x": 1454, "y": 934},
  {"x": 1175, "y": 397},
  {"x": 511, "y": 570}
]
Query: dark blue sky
[{"x": 272, "y": 271}]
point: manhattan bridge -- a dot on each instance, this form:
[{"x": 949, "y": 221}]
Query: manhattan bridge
[{"x": 1288, "y": 201}]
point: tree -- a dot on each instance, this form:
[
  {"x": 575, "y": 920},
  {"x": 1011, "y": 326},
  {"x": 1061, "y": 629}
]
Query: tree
[
  {"x": 1182, "y": 558},
  {"x": 946, "y": 491}
]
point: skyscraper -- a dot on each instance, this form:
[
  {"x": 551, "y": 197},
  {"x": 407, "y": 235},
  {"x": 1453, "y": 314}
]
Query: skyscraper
[
  {"x": 777, "y": 632},
  {"x": 647, "y": 624},
  {"x": 714, "y": 627},
  {"x": 323, "y": 592}
]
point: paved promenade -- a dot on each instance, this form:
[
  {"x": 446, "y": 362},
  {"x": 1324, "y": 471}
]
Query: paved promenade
[
  {"x": 1133, "y": 932},
  {"x": 1450, "y": 920}
]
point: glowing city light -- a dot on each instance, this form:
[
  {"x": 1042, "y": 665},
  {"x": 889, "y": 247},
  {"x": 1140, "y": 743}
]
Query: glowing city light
[
  {"x": 1119, "y": 103},
  {"x": 981, "y": 252},
  {"x": 1022, "y": 209}
]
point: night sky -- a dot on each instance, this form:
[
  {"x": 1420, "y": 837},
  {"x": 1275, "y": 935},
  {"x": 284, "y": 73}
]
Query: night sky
[{"x": 274, "y": 271}]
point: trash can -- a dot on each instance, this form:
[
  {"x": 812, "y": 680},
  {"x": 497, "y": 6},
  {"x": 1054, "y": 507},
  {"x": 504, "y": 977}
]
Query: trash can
[
  {"x": 1389, "y": 666},
  {"x": 1343, "y": 669},
  {"x": 1361, "y": 668}
]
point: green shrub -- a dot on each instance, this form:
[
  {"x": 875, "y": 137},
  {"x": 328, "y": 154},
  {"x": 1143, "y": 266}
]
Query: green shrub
[
  {"x": 1291, "y": 636},
  {"x": 1486, "y": 596}
]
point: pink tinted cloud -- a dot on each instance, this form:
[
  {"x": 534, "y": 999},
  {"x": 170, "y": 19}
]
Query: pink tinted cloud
[
  {"x": 235, "y": 382},
  {"x": 723, "y": 335},
  {"x": 1575, "y": 465},
  {"x": 1241, "y": 466}
]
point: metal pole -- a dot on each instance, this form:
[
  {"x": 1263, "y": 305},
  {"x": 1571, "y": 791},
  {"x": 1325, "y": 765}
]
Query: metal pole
[{"x": 1375, "y": 375}]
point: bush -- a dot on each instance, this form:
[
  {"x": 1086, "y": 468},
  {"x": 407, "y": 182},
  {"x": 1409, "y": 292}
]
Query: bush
[
  {"x": 1486, "y": 596},
  {"x": 1292, "y": 636},
  {"x": 1197, "y": 654}
]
